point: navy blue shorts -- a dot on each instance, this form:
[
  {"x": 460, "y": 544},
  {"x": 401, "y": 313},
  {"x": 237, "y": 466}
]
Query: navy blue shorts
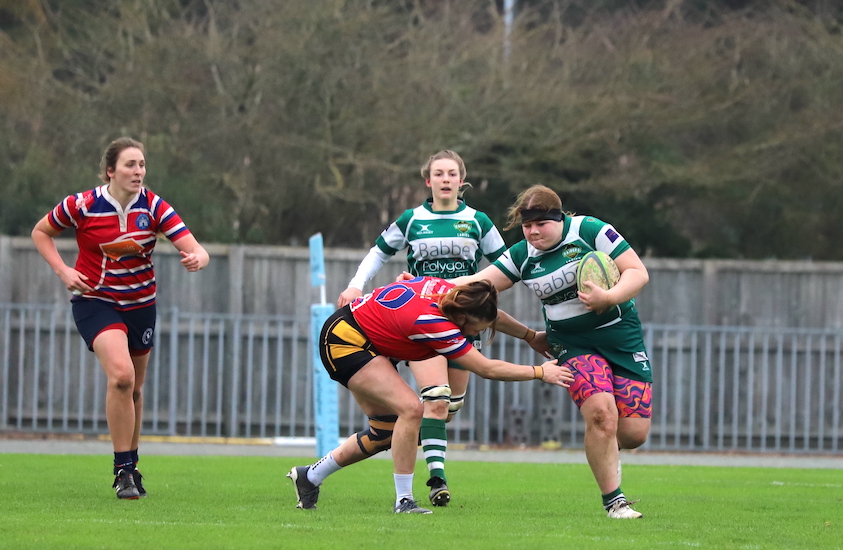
[{"x": 93, "y": 316}]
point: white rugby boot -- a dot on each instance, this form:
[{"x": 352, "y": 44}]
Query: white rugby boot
[{"x": 622, "y": 510}]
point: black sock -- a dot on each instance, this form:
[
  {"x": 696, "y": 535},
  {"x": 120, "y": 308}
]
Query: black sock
[
  {"x": 135, "y": 458},
  {"x": 123, "y": 461}
]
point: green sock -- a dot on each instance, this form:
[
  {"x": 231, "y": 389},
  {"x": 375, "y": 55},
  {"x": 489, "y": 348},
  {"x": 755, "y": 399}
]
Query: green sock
[{"x": 434, "y": 440}]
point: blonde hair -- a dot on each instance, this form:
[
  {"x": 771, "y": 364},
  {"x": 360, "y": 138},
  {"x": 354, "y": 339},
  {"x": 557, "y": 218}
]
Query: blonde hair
[{"x": 444, "y": 154}]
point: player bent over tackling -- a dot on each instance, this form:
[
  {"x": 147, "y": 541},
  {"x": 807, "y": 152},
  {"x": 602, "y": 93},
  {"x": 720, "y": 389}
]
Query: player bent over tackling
[{"x": 409, "y": 320}]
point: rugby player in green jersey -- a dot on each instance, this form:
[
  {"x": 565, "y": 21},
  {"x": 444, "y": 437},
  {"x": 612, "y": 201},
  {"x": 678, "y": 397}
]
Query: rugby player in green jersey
[
  {"x": 596, "y": 334},
  {"x": 446, "y": 238}
]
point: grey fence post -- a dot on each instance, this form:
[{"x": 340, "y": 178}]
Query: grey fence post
[{"x": 174, "y": 360}]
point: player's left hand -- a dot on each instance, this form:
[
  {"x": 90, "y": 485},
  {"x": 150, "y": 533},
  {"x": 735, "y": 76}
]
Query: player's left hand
[{"x": 190, "y": 261}]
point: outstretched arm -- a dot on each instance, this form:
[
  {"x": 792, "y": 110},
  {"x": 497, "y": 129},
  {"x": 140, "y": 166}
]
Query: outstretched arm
[
  {"x": 496, "y": 369},
  {"x": 509, "y": 325},
  {"x": 367, "y": 269},
  {"x": 491, "y": 273}
]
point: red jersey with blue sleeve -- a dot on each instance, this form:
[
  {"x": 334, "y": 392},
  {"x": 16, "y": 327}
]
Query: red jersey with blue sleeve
[
  {"x": 404, "y": 322},
  {"x": 115, "y": 245}
]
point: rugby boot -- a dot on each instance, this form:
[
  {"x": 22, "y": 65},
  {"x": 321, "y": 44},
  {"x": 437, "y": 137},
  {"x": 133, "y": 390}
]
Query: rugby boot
[{"x": 306, "y": 492}]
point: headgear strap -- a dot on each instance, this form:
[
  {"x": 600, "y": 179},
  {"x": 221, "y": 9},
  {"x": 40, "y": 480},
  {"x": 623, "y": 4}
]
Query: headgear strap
[{"x": 539, "y": 214}]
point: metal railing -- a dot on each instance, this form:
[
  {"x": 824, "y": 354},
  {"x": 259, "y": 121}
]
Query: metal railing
[{"x": 716, "y": 388}]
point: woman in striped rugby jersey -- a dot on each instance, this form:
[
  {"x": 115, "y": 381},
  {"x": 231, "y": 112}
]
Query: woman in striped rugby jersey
[
  {"x": 411, "y": 320},
  {"x": 113, "y": 286}
]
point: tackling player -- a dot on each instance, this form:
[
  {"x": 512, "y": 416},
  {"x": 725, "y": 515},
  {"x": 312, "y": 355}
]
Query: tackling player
[{"x": 409, "y": 320}]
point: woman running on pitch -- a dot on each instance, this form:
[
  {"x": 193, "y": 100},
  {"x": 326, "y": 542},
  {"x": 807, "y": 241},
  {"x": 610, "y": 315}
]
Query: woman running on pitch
[
  {"x": 113, "y": 286},
  {"x": 596, "y": 334}
]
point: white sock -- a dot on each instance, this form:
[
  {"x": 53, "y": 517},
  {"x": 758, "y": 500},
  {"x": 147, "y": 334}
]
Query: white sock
[
  {"x": 323, "y": 467},
  {"x": 403, "y": 486}
]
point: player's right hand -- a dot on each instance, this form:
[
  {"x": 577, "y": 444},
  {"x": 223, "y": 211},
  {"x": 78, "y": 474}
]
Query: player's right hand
[
  {"x": 74, "y": 281},
  {"x": 348, "y": 295}
]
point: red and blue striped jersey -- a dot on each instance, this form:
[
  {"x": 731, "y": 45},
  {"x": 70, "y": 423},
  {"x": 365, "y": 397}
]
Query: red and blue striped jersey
[
  {"x": 404, "y": 322},
  {"x": 115, "y": 245}
]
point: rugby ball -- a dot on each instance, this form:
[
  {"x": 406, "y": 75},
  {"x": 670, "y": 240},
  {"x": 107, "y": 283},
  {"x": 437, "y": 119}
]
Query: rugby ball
[{"x": 599, "y": 268}]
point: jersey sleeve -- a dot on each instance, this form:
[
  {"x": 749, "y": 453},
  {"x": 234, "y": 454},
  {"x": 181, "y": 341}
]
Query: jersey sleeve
[
  {"x": 369, "y": 266},
  {"x": 394, "y": 237},
  {"x": 388, "y": 243},
  {"x": 66, "y": 213},
  {"x": 604, "y": 237},
  {"x": 510, "y": 262},
  {"x": 169, "y": 222},
  {"x": 440, "y": 334},
  {"x": 491, "y": 243}
]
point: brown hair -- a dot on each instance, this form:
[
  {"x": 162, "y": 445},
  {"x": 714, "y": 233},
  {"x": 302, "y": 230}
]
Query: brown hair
[
  {"x": 537, "y": 197},
  {"x": 478, "y": 300},
  {"x": 109, "y": 158},
  {"x": 446, "y": 154}
]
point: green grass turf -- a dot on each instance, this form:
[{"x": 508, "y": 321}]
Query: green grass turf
[{"x": 66, "y": 501}]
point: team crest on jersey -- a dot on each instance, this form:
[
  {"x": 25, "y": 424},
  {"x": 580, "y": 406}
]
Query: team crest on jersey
[
  {"x": 558, "y": 350},
  {"x": 142, "y": 221},
  {"x": 571, "y": 251},
  {"x": 462, "y": 226}
]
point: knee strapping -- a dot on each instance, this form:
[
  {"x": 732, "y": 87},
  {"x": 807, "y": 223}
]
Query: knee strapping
[
  {"x": 378, "y": 437},
  {"x": 436, "y": 393},
  {"x": 457, "y": 401}
]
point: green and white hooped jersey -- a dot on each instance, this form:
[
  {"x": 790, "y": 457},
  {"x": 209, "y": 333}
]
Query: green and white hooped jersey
[
  {"x": 443, "y": 244},
  {"x": 552, "y": 274}
]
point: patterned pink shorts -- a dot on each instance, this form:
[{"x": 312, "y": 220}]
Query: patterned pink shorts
[{"x": 592, "y": 374}]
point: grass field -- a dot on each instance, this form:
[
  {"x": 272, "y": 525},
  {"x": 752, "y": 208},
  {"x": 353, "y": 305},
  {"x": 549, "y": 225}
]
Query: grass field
[{"x": 66, "y": 501}]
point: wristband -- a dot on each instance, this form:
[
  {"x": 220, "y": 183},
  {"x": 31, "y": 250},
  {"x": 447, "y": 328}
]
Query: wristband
[
  {"x": 528, "y": 340},
  {"x": 538, "y": 372}
]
